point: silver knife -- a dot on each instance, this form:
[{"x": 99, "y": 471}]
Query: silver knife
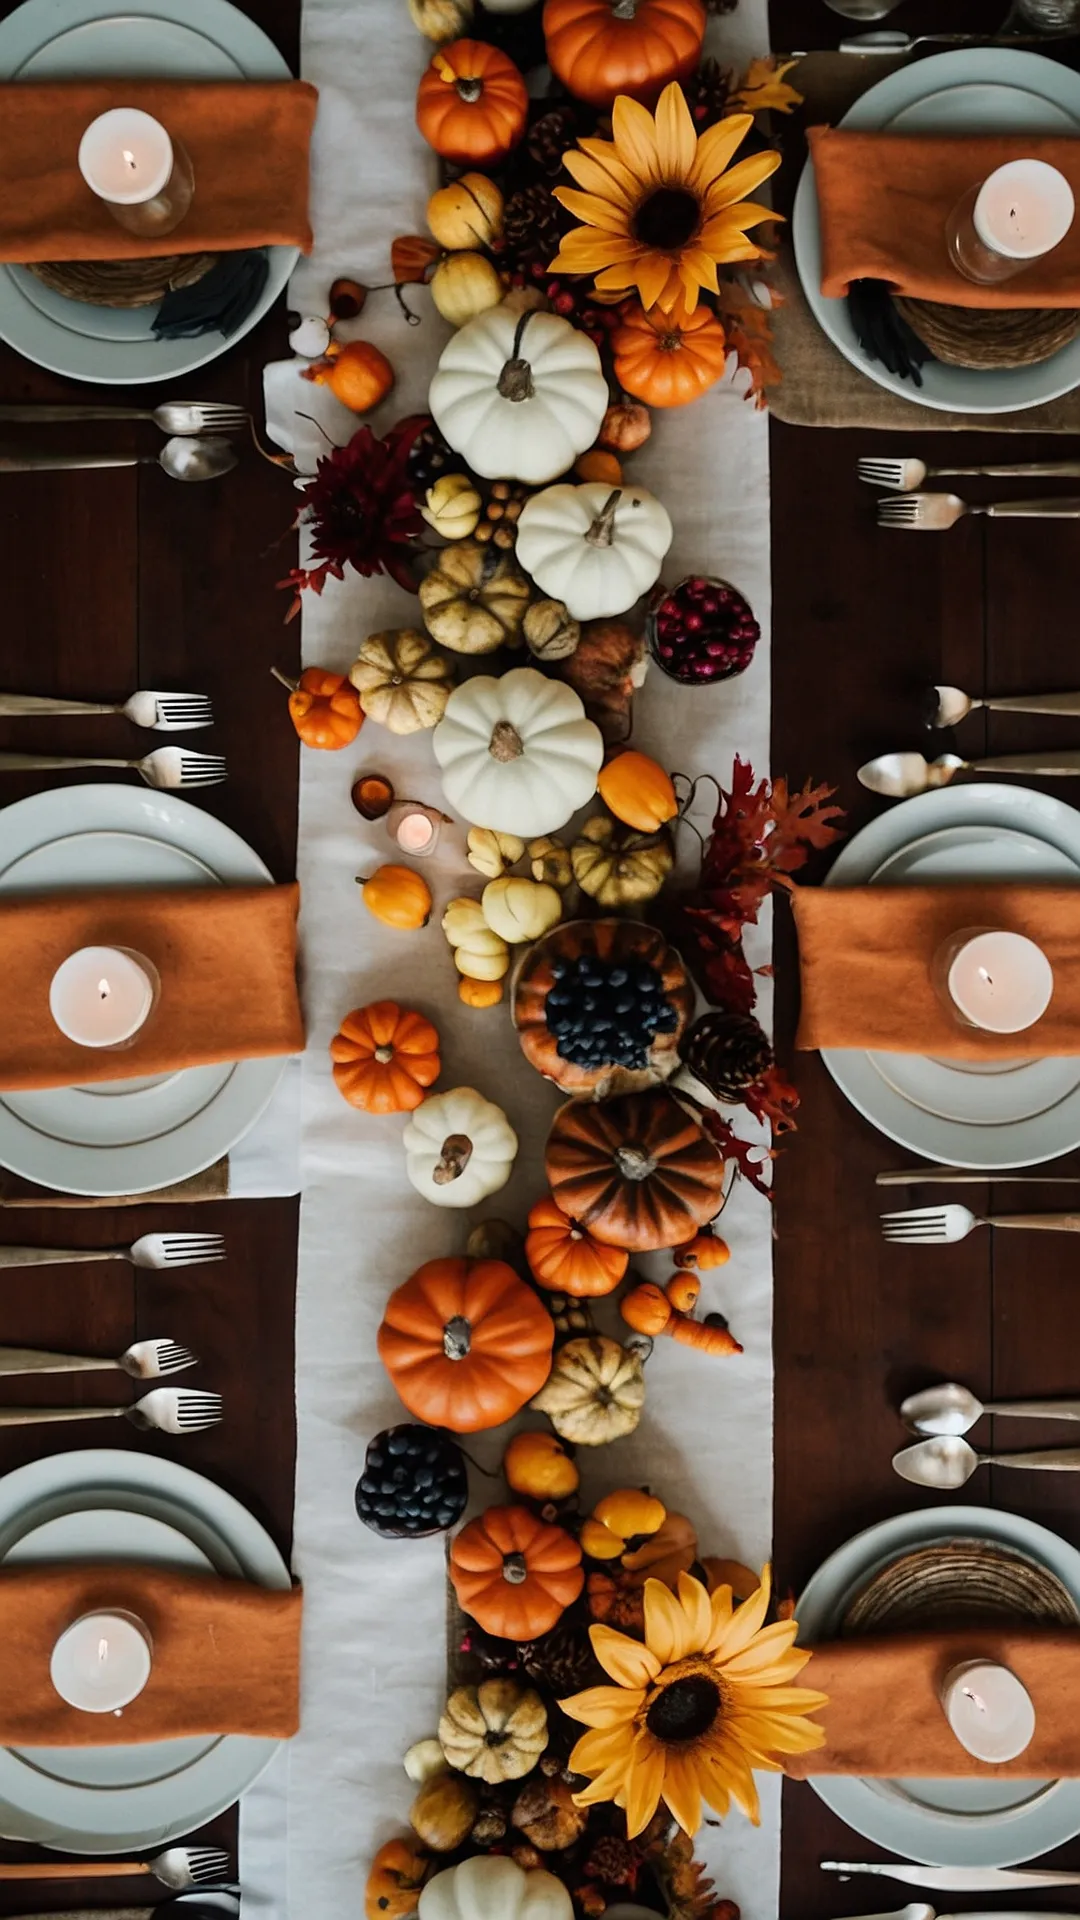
[{"x": 960, "y": 1879}]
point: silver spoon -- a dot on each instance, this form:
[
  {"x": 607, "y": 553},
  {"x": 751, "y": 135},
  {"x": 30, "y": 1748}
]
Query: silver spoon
[
  {"x": 901, "y": 775},
  {"x": 947, "y": 706},
  {"x": 951, "y": 1409},
  {"x": 194, "y": 458},
  {"x": 947, "y": 1461}
]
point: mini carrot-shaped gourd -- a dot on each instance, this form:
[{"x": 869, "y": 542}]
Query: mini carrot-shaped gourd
[{"x": 650, "y": 1310}]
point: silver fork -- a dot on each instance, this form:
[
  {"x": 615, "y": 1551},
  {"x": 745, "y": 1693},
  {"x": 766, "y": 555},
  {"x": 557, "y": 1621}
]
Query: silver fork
[
  {"x": 167, "y": 768},
  {"x": 166, "y": 1410},
  {"x": 942, "y": 1226},
  {"x": 143, "y": 1360},
  {"x": 161, "y": 712},
  {"x": 935, "y": 512},
  {"x": 177, "y": 1867},
  {"x": 172, "y": 416},
  {"x": 153, "y": 1250},
  {"x": 907, "y": 475}
]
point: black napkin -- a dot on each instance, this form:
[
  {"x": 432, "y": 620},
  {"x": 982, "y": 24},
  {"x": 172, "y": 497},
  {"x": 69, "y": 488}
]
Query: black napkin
[
  {"x": 219, "y": 302},
  {"x": 883, "y": 333}
]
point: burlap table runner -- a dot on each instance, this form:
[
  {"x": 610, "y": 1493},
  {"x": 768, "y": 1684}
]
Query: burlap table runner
[{"x": 822, "y": 389}]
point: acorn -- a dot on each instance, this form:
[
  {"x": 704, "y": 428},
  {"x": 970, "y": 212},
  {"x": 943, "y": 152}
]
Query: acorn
[{"x": 347, "y": 299}]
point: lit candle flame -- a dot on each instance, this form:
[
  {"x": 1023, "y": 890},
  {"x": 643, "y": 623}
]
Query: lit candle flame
[
  {"x": 104, "y": 989},
  {"x": 129, "y": 159},
  {"x": 102, "y": 1651}
]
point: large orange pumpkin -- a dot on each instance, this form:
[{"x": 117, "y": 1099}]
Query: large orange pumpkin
[
  {"x": 668, "y": 359},
  {"x": 566, "y": 1259},
  {"x": 385, "y": 1057},
  {"x": 466, "y": 1343},
  {"x": 599, "y": 48},
  {"x": 638, "y": 1171},
  {"x": 472, "y": 104},
  {"x": 611, "y": 942},
  {"x": 514, "y": 1574}
]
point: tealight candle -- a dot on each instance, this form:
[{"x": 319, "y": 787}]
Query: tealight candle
[
  {"x": 1018, "y": 213},
  {"x": 102, "y": 1662},
  {"x": 1000, "y": 982},
  {"x": 145, "y": 179},
  {"x": 415, "y": 827},
  {"x": 101, "y": 996},
  {"x": 988, "y": 1709}
]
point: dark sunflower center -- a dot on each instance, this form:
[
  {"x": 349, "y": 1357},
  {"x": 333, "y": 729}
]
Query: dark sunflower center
[
  {"x": 684, "y": 1710},
  {"x": 667, "y": 219}
]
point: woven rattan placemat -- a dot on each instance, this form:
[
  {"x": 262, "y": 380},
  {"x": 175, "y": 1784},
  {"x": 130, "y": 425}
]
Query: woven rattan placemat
[
  {"x": 956, "y": 1582},
  {"x": 122, "y": 283}
]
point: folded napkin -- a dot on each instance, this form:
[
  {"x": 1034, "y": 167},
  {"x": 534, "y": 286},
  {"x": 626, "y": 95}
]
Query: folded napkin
[
  {"x": 864, "y": 961},
  {"x": 227, "y": 961},
  {"x": 248, "y": 142},
  {"x": 226, "y": 1655},
  {"x": 884, "y": 199},
  {"x": 885, "y": 1717}
]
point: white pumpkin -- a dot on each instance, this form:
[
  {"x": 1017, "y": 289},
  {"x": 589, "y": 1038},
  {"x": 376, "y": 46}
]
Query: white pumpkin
[
  {"x": 492, "y": 1887},
  {"x": 517, "y": 753},
  {"x": 519, "y": 395},
  {"x": 520, "y": 909},
  {"x": 594, "y": 547},
  {"x": 459, "y": 1147}
]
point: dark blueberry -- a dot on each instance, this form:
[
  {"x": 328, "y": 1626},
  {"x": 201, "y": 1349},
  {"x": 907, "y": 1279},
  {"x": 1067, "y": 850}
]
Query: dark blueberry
[
  {"x": 398, "y": 1443},
  {"x": 422, "y": 1485}
]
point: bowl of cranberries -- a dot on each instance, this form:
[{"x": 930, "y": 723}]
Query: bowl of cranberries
[{"x": 701, "y": 630}]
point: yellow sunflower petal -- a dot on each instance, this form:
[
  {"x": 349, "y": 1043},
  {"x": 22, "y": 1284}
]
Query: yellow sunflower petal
[
  {"x": 667, "y": 1630},
  {"x": 696, "y": 265},
  {"x": 644, "y": 1785},
  {"x": 740, "y": 180},
  {"x": 596, "y": 166},
  {"x": 745, "y": 213},
  {"x": 605, "y": 1706},
  {"x": 635, "y": 138},
  {"x": 674, "y": 295},
  {"x": 609, "y": 1785},
  {"x": 695, "y": 1604},
  {"x": 722, "y": 1604},
  {"x": 682, "y": 1789},
  {"x": 726, "y": 1770},
  {"x": 617, "y": 279},
  {"x": 715, "y": 148},
  {"x": 790, "y": 1735},
  {"x": 760, "y": 1692},
  {"x": 769, "y": 1645},
  {"x": 744, "y": 1623},
  {"x": 597, "y": 1750},
  {"x": 627, "y": 1661},
  {"x": 676, "y": 136},
  {"x": 594, "y": 211},
  {"x": 582, "y": 251}
]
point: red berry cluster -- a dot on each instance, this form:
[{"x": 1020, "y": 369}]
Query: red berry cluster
[
  {"x": 569, "y": 298},
  {"x": 703, "y": 630}
]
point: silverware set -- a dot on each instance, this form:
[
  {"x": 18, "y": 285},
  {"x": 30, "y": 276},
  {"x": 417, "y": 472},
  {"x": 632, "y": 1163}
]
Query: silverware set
[
  {"x": 177, "y": 1868},
  {"x": 196, "y": 448},
  {"x": 900, "y": 775},
  {"x": 152, "y": 1250},
  {"x": 943, "y": 1460},
  {"x": 167, "y": 768},
  {"x": 177, "y": 1410},
  {"x": 155, "y": 712},
  {"x": 916, "y": 512},
  {"x": 944, "y": 1226}
]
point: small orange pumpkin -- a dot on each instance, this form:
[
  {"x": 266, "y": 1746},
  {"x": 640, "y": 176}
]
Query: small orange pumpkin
[
  {"x": 617, "y": 1519},
  {"x": 625, "y": 426},
  {"x": 514, "y": 1574},
  {"x": 669, "y": 359},
  {"x": 638, "y": 791},
  {"x": 323, "y": 707},
  {"x": 397, "y": 896},
  {"x": 466, "y": 1343},
  {"x": 385, "y": 1057},
  {"x": 357, "y": 374},
  {"x": 397, "y": 1874},
  {"x": 599, "y": 48},
  {"x": 537, "y": 1466},
  {"x": 566, "y": 1259},
  {"x": 683, "y": 1290},
  {"x": 472, "y": 104},
  {"x": 598, "y": 464},
  {"x": 480, "y": 993},
  {"x": 704, "y": 1251}
]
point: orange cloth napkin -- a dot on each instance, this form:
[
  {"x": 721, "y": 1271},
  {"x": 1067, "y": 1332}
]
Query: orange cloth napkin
[
  {"x": 864, "y": 961},
  {"x": 227, "y": 961},
  {"x": 226, "y": 1656},
  {"x": 885, "y": 1717},
  {"x": 885, "y": 198},
  {"x": 248, "y": 142}
]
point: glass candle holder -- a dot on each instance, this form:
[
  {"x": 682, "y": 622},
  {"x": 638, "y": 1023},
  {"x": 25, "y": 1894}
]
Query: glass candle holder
[
  {"x": 102, "y": 1661},
  {"x": 103, "y": 996},
  {"x": 988, "y": 1709},
  {"x": 1016, "y": 215},
  {"x": 415, "y": 828},
  {"x": 993, "y": 981},
  {"x": 143, "y": 176}
]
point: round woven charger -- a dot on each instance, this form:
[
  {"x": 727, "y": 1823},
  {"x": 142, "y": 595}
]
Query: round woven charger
[
  {"x": 988, "y": 337},
  {"x": 954, "y": 1583},
  {"x": 122, "y": 283}
]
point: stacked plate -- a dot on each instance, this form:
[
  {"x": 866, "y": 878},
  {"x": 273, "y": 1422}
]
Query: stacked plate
[
  {"x": 988, "y": 1114},
  {"x": 112, "y": 1505}
]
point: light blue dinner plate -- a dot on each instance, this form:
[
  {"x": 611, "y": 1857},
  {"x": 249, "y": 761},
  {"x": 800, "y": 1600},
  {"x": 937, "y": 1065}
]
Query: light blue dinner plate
[
  {"x": 974, "y": 90},
  {"x": 46, "y": 40}
]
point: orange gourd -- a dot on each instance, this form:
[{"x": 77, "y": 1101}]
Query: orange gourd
[
  {"x": 598, "y": 464},
  {"x": 637, "y": 1170},
  {"x": 625, "y": 426},
  {"x": 538, "y": 1467},
  {"x": 683, "y": 1291},
  {"x": 397, "y": 896},
  {"x": 704, "y": 1251},
  {"x": 480, "y": 993},
  {"x": 385, "y": 1058},
  {"x": 466, "y": 1343},
  {"x": 566, "y": 1259},
  {"x": 708, "y": 1336},
  {"x": 472, "y": 103},
  {"x": 671, "y": 1550},
  {"x": 514, "y": 1574},
  {"x": 397, "y": 1874},
  {"x": 599, "y": 48},
  {"x": 638, "y": 791},
  {"x": 618, "y": 1518},
  {"x": 357, "y": 374},
  {"x": 669, "y": 359},
  {"x": 323, "y": 707},
  {"x": 648, "y": 1309}
]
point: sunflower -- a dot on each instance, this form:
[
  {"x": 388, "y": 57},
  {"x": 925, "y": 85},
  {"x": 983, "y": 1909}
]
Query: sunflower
[
  {"x": 693, "y": 1710},
  {"x": 660, "y": 212}
]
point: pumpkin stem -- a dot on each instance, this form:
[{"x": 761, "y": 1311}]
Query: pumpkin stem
[
  {"x": 602, "y": 531},
  {"x": 624, "y": 10},
  {"x": 470, "y": 89},
  {"x": 455, "y": 1157},
  {"x": 284, "y": 679},
  {"x": 505, "y": 743},
  {"x": 514, "y": 1569},
  {"x": 515, "y": 382},
  {"x": 457, "y": 1338},
  {"x": 633, "y": 1163},
  {"x": 384, "y": 1055}
]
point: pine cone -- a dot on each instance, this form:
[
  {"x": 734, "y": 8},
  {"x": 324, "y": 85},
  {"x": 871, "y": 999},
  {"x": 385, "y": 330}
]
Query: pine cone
[
  {"x": 707, "y": 93},
  {"x": 548, "y": 139},
  {"x": 614, "y": 1862},
  {"x": 531, "y": 226},
  {"x": 563, "y": 1660},
  {"x": 728, "y": 1052}
]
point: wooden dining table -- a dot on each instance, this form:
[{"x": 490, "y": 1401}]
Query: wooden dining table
[{"x": 113, "y": 580}]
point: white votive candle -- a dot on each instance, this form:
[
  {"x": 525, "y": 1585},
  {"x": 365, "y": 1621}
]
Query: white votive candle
[
  {"x": 1023, "y": 209},
  {"x": 125, "y": 156},
  {"x": 988, "y": 1709},
  {"x": 415, "y": 833},
  {"x": 101, "y": 1662},
  {"x": 101, "y": 996},
  {"x": 1001, "y": 982}
]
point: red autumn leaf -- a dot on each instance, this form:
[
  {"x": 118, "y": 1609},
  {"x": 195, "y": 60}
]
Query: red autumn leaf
[
  {"x": 412, "y": 257},
  {"x": 750, "y": 1160}
]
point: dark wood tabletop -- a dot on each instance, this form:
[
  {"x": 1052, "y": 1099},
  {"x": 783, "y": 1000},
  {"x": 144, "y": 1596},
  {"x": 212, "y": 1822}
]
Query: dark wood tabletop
[{"x": 118, "y": 580}]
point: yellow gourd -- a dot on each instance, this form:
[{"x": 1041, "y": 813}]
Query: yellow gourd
[{"x": 479, "y": 953}]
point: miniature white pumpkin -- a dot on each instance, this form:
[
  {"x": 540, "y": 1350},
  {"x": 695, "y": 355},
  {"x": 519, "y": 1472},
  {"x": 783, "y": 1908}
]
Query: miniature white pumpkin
[
  {"x": 519, "y": 395},
  {"x": 479, "y": 952},
  {"x": 521, "y": 909},
  {"x": 517, "y": 753},
  {"x": 492, "y": 1887},
  {"x": 594, "y": 547},
  {"x": 459, "y": 1147}
]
